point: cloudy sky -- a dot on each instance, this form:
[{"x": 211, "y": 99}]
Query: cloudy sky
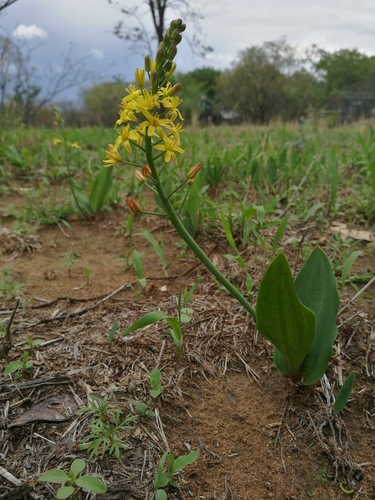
[{"x": 228, "y": 26}]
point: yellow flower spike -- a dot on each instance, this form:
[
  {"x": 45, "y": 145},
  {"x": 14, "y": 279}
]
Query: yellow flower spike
[
  {"x": 113, "y": 156},
  {"x": 75, "y": 145},
  {"x": 140, "y": 177},
  {"x": 140, "y": 77},
  {"x": 194, "y": 170},
  {"x": 56, "y": 141},
  {"x": 134, "y": 206}
]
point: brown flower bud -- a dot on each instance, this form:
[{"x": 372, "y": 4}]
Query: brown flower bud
[
  {"x": 140, "y": 177},
  {"x": 134, "y": 206},
  {"x": 172, "y": 52},
  {"x": 146, "y": 171},
  {"x": 194, "y": 170}
]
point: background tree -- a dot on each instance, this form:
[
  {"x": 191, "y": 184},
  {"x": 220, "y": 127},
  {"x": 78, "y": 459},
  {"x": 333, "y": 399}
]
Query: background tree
[
  {"x": 267, "y": 81},
  {"x": 135, "y": 30},
  {"x": 200, "y": 95},
  {"x": 347, "y": 81},
  {"x": 101, "y": 102}
]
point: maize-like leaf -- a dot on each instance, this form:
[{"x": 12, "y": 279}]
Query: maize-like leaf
[
  {"x": 146, "y": 320},
  {"x": 344, "y": 394}
]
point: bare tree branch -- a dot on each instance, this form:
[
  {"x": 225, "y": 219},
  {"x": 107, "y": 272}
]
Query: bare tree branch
[{"x": 6, "y": 3}]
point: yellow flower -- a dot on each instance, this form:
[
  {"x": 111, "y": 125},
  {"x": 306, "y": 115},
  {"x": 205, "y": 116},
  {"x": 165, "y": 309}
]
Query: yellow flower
[
  {"x": 56, "y": 141},
  {"x": 171, "y": 104},
  {"x": 75, "y": 145},
  {"x": 171, "y": 147},
  {"x": 125, "y": 137},
  {"x": 152, "y": 122},
  {"x": 113, "y": 156}
]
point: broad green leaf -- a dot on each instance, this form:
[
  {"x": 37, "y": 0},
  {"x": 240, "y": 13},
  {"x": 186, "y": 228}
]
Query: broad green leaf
[
  {"x": 249, "y": 283},
  {"x": 113, "y": 331},
  {"x": 101, "y": 189},
  {"x": 64, "y": 492},
  {"x": 12, "y": 367},
  {"x": 316, "y": 288},
  {"x": 161, "y": 495},
  {"x": 186, "y": 314},
  {"x": 91, "y": 483},
  {"x": 77, "y": 466},
  {"x": 81, "y": 199},
  {"x": 261, "y": 213},
  {"x": 155, "y": 377},
  {"x": 344, "y": 394},
  {"x": 282, "y": 318},
  {"x": 147, "y": 319},
  {"x": 348, "y": 265},
  {"x": 184, "y": 460},
  {"x": 54, "y": 476},
  {"x": 161, "y": 478}
]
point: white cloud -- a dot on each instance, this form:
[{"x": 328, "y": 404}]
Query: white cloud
[
  {"x": 97, "y": 54},
  {"x": 29, "y": 32}
]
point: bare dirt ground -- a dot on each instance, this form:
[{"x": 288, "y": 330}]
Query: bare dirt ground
[{"x": 258, "y": 435}]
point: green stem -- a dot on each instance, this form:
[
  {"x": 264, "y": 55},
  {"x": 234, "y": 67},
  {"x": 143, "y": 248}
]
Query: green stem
[{"x": 188, "y": 239}]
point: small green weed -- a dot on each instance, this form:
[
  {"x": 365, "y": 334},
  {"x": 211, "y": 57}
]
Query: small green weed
[
  {"x": 9, "y": 287},
  {"x": 73, "y": 480},
  {"x": 69, "y": 259},
  {"x": 19, "y": 367},
  {"x": 164, "y": 479}
]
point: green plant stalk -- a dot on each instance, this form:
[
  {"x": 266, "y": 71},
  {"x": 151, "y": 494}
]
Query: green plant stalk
[{"x": 188, "y": 239}]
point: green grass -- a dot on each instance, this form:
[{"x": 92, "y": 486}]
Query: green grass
[{"x": 257, "y": 175}]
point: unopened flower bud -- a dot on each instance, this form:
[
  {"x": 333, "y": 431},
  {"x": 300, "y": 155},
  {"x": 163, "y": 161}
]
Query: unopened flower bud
[
  {"x": 159, "y": 54},
  {"x": 140, "y": 177},
  {"x": 169, "y": 73},
  {"x": 172, "y": 52},
  {"x": 190, "y": 182},
  {"x": 194, "y": 170},
  {"x": 182, "y": 27},
  {"x": 148, "y": 63},
  {"x": 140, "y": 77},
  {"x": 153, "y": 78},
  {"x": 166, "y": 40},
  {"x": 146, "y": 171},
  {"x": 176, "y": 88},
  {"x": 177, "y": 39},
  {"x": 134, "y": 206}
]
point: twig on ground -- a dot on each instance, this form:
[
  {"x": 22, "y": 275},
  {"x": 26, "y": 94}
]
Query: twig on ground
[{"x": 7, "y": 342}]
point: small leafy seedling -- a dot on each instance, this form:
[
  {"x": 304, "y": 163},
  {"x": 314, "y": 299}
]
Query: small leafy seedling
[
  {"x": 164, "y": 479},
  {"x": 32, "y": 343},
  {"x": 142, "y": 409},
  {"x": 19, "y": 366},
  {"x": 106, "y": 435},
  {"x": 72, "y": 480},
  {"x": 69, "y": 260},
  {"x": 88, "y": 275}
]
